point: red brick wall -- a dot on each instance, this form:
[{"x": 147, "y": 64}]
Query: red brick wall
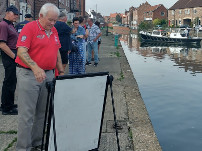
[
  {"x": 3, "y": 6},
  {"x": 157, "y": 13},
  {"x": 2, "y": 9},
  {"x": 39, "y": 3},
  {"x": 82, "y": 7},
  {"x": 141, "y": 9},
  {"x": 121, "y": 30}
]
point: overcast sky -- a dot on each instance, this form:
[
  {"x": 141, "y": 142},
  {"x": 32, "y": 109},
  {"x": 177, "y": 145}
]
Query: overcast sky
[{"x": 105, "y": 7}]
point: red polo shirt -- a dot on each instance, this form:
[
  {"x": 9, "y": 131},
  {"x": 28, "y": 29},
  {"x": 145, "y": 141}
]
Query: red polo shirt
[{"x": 41, "y": 48}]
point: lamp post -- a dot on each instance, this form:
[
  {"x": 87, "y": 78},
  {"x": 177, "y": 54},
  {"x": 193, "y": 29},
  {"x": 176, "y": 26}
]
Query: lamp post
[
  {"x": 7, "y": 4},
  {"x": 107, "y": 30},
  {"x": 107, "y": 27}
]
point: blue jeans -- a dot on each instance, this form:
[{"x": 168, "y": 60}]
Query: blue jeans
[{"x": 92, "y": 46}]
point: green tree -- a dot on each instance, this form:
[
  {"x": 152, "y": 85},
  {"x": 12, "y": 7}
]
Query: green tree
[
  {"x": 196, "y": 21},
  {"x": 145, "y": 25},
  {"x": 164, "y": 22},
  {"x": 118, "y": 18},
  {"x": 156, "y": 22}
]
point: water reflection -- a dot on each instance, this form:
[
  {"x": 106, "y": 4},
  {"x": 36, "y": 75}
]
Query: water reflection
[
  {"x": 171, "y": 94},
  {"x": 188, "y": 57}
]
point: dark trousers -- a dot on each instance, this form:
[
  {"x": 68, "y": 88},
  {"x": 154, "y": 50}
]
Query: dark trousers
[{"x": 9, "y": 83}]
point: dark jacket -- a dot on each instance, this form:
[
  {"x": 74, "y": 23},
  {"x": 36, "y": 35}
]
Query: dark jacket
[
  {"x": 64, "y": 33},
  {"x": 20, "y": 25}
]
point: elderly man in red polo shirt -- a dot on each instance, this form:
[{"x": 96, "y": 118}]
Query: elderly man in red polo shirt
[{"x": 37, "y": 56}]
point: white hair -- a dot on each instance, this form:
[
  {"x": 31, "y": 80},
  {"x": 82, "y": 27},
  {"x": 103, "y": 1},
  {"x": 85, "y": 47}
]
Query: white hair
[
  {"x": 48, "y": 7},
  {"x": 62, "y": 15}
]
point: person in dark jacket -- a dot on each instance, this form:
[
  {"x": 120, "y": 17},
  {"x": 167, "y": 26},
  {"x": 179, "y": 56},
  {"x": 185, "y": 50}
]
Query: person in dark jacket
[
  {"x": 8, "y": 41},
  {"x": 19, "y": 26},
  {"x": 64, "y": 33}
]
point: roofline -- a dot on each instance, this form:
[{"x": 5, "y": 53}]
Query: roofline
[{"x": 183, "y": 8}]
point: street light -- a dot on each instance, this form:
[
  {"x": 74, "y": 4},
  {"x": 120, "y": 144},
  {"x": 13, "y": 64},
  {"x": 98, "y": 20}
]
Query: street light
[{"x": 107, "y": 27}]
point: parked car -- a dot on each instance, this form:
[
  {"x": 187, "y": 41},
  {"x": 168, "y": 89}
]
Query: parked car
[{"x": 198, "y": 27}]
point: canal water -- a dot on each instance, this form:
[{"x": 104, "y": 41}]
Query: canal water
[{"x": 170, "y": 82}]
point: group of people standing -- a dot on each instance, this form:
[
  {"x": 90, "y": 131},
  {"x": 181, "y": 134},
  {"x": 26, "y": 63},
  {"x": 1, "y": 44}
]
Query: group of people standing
[
  {"x": 85, "y": 37},
  {"x": 32, "y": 54}
]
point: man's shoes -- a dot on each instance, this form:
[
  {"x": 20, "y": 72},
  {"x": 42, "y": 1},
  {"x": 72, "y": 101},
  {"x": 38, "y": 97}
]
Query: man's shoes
[
  {"x": 12, "y": 111},
  {"x": 88, "y": 63},
  {"x": 14, "y": 106},
  {"x": 38, "y": 148},
  {"x": 95, "y": 64}
]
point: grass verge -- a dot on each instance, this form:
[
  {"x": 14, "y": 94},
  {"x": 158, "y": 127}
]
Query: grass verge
[{"x": 10, "y": 145}]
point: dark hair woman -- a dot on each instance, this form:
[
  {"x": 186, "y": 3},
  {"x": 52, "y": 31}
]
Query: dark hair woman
[{"x": 76, "y": 58}]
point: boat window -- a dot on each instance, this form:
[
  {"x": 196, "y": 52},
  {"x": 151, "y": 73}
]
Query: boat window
[{"x": 156, "y": 32}]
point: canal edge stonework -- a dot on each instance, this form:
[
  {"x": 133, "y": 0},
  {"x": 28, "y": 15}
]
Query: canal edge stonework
[{"x": 143, "y": 134}]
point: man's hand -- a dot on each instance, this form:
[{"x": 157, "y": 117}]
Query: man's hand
[
  {"x": 69, "y": 51},
  {"x": 80, "y": 36},
  {"x": 61, "y": 73},
  {"x": 4, "y": 47},
  {"x": 94, "y": 40},
  {"x": 39, "y": 74}
]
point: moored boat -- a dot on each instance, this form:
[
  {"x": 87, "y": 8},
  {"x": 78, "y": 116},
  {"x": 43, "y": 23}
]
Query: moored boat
[{"x": 173, "y": 37}]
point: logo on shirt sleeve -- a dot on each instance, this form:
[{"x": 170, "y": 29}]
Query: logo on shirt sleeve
[{"x": 23, "y": 38}]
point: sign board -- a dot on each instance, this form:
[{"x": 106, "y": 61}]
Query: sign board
[{"x": 78, "y": 113}]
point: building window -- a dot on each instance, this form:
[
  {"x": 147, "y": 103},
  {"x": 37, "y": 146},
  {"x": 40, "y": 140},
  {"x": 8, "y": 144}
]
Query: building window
[
  {"x": 176, "y": 22},
  {"x": 195, "y": 11},
  {"x": 62, "y": 1},
  {"x": 173, "y": 22},
  {"x": 162, "y": 13},
  {"x": 187, "y": 11},
  {"x": 173, "y": 12},
  {"x": 180, "y": 11},
  {"x": 180, "y": 21}
]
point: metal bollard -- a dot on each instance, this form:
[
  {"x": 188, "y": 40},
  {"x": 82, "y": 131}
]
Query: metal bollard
[{"x": 116, "y": 38}]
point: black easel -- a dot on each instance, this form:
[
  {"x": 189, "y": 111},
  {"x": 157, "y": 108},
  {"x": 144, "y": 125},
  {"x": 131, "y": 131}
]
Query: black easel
[{"x": 49, "y": 115}]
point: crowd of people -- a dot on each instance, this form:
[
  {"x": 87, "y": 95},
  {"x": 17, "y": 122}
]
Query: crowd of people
[{"x": 33, "y": 53}]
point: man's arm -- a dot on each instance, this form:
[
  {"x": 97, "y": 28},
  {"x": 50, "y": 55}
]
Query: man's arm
[
  {"x": 87, "y": 33},
  {"x": 7, "y": 50},
  {"x": 24, "y": 56},
  {"x": 59, "y": 64},
  {"x": 100, "y": 34}
]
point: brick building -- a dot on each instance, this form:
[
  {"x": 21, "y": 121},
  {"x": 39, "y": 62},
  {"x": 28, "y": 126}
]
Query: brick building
[
  {"x": 146, "y": 12},
  {"x": 130, "y": 15},
  {"x": 156, "y": 12},
  {"x": 138, "y": 14},
  {"x": 113, "y": 17},
  {"x": 141, "y": 10},
  {"x": 5, "y": 3},
  {"x": 106, "y": 18},
  {"x": 134, "y": 22},
  {"x": 125, "y": 18},
  {"x": 71, "y": 7},
  {"x": 185, "y": 12}
]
